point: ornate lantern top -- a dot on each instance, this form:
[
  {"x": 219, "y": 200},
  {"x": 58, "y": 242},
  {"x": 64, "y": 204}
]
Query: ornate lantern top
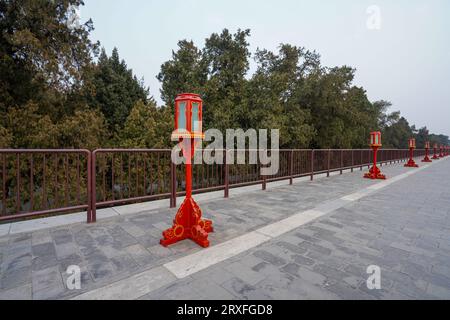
[
  {"x": 188, "y": 116},
  {"x": 375, "y": 139},
  {"x": 427, "y": 145},
  {"x": 412, "y": 143}
]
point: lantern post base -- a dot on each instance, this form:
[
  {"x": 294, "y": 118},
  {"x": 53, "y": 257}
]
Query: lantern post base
[
  {"x": 411, "y": 164},
  {"x": 427, "y": 159},
  {"x": 188, "y": 224},
  {"x": 435, "y": 157},
  {"x": 375, "y": 173}
]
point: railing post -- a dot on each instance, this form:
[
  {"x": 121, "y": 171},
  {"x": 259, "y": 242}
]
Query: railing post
[
  {"x": 264, "y": 182},
  {"x": 291, "y": 167},
  {"x": 342, "y": 160},
  {"x": 93, "y": 217},
  {"x": 89, "y": 187},
  {"x": 352, "y": 161},
  {"x": 328, "y": 162},
  {"x": 173, "y": 185},
  {"x": 227, "y": 183},
  {"x": 361, "y": 156},
  {"x": 312, "y": 164}
]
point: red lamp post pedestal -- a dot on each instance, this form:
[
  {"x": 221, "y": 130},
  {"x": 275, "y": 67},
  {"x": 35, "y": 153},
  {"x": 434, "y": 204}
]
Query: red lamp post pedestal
[
  {"x": 427, "y": 150},
  {"x": 412, "y": 145},
  {"x": 375, "y": 144},
  {"x": 188, "y": 222},
  {"x": 435, "y": 156}
]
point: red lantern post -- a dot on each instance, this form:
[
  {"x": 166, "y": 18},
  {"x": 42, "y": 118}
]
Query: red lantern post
[
  {"x": 441, "y": 153},
  {"x": 435, "y": 156},
  {"x": 412, "y": 145},
  {"x": 427, "y": 149},
  {"x": 188, "y": 222},
  {"x": 375, "y": 144}
]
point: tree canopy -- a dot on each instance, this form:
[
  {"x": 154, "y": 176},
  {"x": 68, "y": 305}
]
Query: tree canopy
[{"x": 59, "y": 90}]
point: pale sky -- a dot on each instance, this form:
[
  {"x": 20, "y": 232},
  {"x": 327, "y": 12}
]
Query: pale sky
[{"x": 405, "y": 61}]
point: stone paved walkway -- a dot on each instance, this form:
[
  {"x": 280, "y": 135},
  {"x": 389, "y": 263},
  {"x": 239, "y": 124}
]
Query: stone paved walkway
[{"x": 403, "y": 228}]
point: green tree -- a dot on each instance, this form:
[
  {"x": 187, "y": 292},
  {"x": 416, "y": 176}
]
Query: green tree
[
  {"x": 422, "y": 136},
  {"x": 147, "y": 126},
  {"x": 274, "y": 96},
  {"x": 114, "y": 90},
  {"x": 185, "y": 72},
  {"x": 45, "y": 56},
  {"x": 40, "y": 49},
  {"x": 226, "y": 56},
  {"x": 397, "y": 132}
]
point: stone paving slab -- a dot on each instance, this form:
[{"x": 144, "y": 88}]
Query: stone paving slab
[
  {"x": 328, "y": 257},
  {"x": 325, "y": 259}
]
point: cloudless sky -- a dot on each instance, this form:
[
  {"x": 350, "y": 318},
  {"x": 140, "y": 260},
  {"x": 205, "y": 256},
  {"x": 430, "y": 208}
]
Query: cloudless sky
[{"x": 406, "y": 61}]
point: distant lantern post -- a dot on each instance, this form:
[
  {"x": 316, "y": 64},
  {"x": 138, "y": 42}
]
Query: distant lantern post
[
  {"x": 412, "y": 145},
  {"x": 375, "y": 144},
  {"x": 441, "y": 153},
  {"x": 188, "y": 222},
  {"x": 427, "y": 152},
  {"x": 435, "y": 156}
]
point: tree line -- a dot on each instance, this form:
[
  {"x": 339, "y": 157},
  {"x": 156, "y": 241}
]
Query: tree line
[{"x": 59, "y": 89}]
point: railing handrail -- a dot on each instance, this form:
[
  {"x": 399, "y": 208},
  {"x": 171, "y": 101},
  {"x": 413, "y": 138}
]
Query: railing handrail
[{"x": 293, "y": 163}]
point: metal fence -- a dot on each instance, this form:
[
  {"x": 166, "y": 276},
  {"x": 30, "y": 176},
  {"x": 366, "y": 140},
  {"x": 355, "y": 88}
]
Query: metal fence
[
  {"x": 48, "y": 182},
  {"x": 44, "y": 182}
]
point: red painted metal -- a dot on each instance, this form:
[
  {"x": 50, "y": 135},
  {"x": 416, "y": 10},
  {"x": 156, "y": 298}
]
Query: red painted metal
[
  {"x": 188, "y": 222},
  {"x": 46, "y": 177},
  {"x": 27, "y": 172},
  {"x": 441, "y": 151},
  {"x": 427, "y": 149},
  {"x": 375, "y": 143},
  {"x": 412, "y": 145},
  {"x": 435, "y": 156}
]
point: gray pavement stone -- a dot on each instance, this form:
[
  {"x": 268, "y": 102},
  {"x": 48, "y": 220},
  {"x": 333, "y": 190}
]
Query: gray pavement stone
[
  {"x": 65, "y": 250},
  {"x": 269, "y": 257},
  {"x": 100, "y": 270},
  {"x": 16, "y": 261},
  {"x": 217, "y": 274},
  {"x": 302, "y": 260},
  {"x": 291, "y": 247},
  {"x": 17, "y": 293},
  {"x": 67, "y": 261},
  {"x": 124, "y": 262},
  {"x": 61, "y": 236},
  {"x": 402, "y": 228},
  {"x": 330, "y": 272},
  {"x": 15, "y": 278},
  {"x": 244, "y": 273},
  {"x": 140, "y": 255},
  {"x": 438, "y": 291},
  {"x": 210, "y": 290},
  {"x": 244, "y": 291},
  {"x": 315, "y": 247},
  {"x": 47, "y": 283}
]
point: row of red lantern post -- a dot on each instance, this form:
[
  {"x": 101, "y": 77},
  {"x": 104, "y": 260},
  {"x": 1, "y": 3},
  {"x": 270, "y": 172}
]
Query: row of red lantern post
[
  {"x": 188, "y": 222},
  {"x": 375, "y": 144}
]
